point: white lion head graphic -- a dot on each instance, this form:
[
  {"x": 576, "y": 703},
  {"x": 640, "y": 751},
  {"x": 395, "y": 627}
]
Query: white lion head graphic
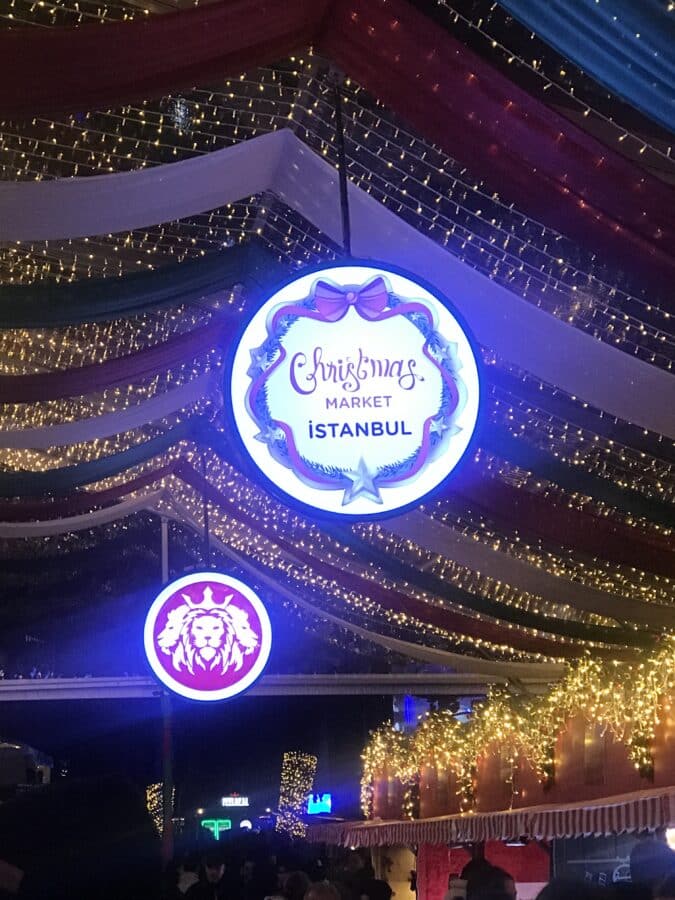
[{"x": 213, "y": 637}]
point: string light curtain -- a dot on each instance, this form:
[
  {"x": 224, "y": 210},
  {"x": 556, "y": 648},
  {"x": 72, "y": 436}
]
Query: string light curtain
[
  {"x": 410, "y": 576},
  {"x": 499, "y": 319},
  {"x": 524, "y": 150},
  {"x": 547, "y": 166},
  {"x": 114, "y": 372},
  {"x": 57, "y": 509},
  {"x": 66, "y": 479},
  {"x": 545, "y": 514},
  {"x": 624, "y": 45},
  {"x": 53, "y": 305},
  {"x": 275, "y": 540},
  {"x": 456, "y": 602},
  {"x": 384, "y": 158}
]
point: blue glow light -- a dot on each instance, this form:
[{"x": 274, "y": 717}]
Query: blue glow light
[{"x": 319, "y": 803}]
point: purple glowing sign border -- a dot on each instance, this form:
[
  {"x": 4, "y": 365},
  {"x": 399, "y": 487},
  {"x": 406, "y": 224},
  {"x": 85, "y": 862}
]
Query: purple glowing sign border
[
  {"x": 341, "y": 285},
  {"x": 232, "y": 690}
]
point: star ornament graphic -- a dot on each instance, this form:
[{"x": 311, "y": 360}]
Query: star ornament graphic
[
  {"x": 441, "y": 426},
  {"x": 269, "y": 434},
  {"x": 362, "y": 484},
  {"x": 258, "y": 362},
  {"x": 448, "y": 354}
]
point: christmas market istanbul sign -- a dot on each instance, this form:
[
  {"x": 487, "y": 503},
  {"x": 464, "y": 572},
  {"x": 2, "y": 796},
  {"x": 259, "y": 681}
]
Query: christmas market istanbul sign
[
  {"x": 355, "y": 389},
  {"x": 207, "y": 636}
]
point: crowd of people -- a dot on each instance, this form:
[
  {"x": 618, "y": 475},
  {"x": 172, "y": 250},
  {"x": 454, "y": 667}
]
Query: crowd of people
[
  {"x": 94, "y": 840},
  {"x": 268, "y": 868},
  {"x": 270, "y": 875}
]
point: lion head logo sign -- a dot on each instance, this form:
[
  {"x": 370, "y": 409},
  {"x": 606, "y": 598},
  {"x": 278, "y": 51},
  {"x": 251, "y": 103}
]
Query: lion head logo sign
[{"x": 207, "y": 636}]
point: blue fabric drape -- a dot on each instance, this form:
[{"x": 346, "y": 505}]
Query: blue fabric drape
[{"x": 626, "y": 45}]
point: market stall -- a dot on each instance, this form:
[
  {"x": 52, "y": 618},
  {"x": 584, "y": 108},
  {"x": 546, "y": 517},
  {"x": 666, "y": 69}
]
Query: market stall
[{"x": 593, "y": 757}]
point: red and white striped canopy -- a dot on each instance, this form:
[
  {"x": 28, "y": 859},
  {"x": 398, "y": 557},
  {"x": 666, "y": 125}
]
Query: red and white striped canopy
[{"x": 611, "y": 815}]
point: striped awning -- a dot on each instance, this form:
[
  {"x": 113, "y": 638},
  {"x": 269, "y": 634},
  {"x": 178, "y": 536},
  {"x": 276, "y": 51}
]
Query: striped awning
[{"x": 610, "y": 815}]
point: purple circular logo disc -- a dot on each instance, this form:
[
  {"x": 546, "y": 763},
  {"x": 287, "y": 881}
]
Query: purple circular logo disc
[{"x": 207, "y": 636}]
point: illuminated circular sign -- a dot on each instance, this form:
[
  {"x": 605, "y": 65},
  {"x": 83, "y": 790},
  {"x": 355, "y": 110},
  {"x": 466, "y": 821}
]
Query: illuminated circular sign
[
  {"x": 355, "y": 389},
  {"x": 207, "y": 636}
]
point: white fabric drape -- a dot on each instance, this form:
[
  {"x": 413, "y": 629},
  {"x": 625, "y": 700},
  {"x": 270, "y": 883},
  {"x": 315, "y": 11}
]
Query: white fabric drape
[
  {"x": 81, "y": 522},
  {"x": 280, "y": 163},
  {"x": 534, "y": 674},
  {"x": 479, "y": 556}
]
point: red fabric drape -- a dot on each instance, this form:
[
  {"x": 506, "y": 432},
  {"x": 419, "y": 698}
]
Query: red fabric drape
[
  {"x": 432, "y": 871},
  {"x": 56, "y": 70},
  {"x": 547, "y": 166},
  {"x": 435, "y": 862},
  {"x": 540, "y": 517},
  {"x": 122, "y": 370},
  {"x": 79, "y": 502},
  {"x": 535, "y": 158}
]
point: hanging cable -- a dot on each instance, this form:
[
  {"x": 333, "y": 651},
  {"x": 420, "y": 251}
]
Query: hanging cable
[
  {"x": 206, "y": 555},
  {"x": 342, "y": 168}
]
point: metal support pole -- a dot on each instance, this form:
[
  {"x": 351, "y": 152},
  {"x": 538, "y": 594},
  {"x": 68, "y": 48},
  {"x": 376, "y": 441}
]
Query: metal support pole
[
  {"x": 167, "y": 730},
  {"x": 207, "y": 539},
  {"x": 342, "y": 172},
  {"x": 167, "y": 778},
  {"x": 165, "y": 550}
]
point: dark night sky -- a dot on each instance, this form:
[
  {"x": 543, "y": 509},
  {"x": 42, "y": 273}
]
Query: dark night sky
[{"x": 220, "y": 748}]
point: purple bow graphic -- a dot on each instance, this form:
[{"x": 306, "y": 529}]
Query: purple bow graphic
[{"x": 333, "y": 304}]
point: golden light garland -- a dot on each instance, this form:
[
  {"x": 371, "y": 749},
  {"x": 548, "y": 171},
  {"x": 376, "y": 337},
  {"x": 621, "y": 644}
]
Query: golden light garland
[
  {"x": 43, "y": 413},
  {"x": 154, "y": 803},
  {"x": 439, "y": 743},
  {"x": 580, "y": 447},
  {"x": 54, "y": 546},
  {"x": 27, "y": 460},
  {"x": 62, "y": 12},
  {"x": 148, "y": 466},
  {"x": 299, "y": 529},
  {"x": 114, "y": 255},
  {"x": 388, "y": 751},
  {"x": 627, "y": 699},
  {"x": 252, "y": 502},
  {"x": 654, "y": 683},
  {"x": 230, "y": 110},
  {"x": 297, "y": 780},
  {"x": 492, "y": 33},
  {"x": 452, "y": 572},
  {"x": 521, "y": 478}
]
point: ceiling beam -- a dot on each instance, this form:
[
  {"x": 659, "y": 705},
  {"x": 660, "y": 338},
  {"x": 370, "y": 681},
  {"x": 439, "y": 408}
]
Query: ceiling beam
[{"x": 141, "y": 687}]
